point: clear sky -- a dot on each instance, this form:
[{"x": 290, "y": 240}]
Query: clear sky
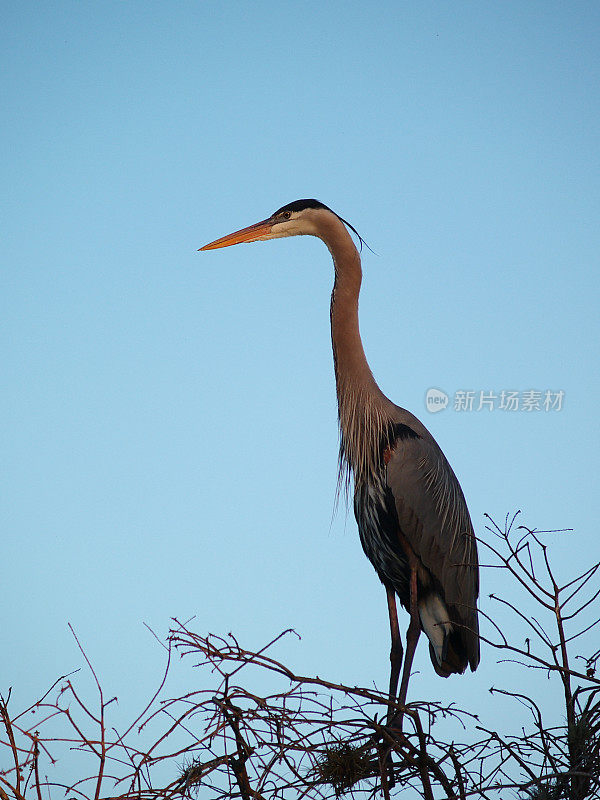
[{"x": 168, "y": 417}]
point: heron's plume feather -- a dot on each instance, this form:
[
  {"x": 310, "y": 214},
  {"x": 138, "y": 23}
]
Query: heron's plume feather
[{"x": 366, "y": 429}]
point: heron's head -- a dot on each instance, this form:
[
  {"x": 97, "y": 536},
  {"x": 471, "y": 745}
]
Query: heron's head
[{"x": 302, "y": 217}]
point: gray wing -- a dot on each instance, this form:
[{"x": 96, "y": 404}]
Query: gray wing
[{"x": 434, "y": 518}]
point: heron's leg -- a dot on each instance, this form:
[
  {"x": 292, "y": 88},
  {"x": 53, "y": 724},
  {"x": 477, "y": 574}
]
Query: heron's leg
[
  {"x": 396, "y": 650},
  {"x": 412, "y": 635}
]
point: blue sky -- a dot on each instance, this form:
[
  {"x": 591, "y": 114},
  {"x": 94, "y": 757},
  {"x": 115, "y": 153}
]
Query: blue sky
[{"x": 168, "y": 417}]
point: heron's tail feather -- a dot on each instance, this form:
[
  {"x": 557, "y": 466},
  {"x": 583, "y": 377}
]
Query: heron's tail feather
[
  {"x": 445, "y": 646},
  {"x": 454, "y": 663}
]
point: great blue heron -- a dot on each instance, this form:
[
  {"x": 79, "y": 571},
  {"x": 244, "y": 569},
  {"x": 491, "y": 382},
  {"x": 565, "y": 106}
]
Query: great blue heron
[{"x": 412, "y": 516}]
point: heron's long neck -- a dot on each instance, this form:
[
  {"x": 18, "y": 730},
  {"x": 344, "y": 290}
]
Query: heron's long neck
[{"x": 364, "y": 411}]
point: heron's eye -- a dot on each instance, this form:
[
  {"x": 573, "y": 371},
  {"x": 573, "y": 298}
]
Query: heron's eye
[{"x": 286, "y": 214}]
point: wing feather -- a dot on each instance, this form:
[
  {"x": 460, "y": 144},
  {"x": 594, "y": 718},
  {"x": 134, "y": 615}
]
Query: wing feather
[{"x": 434, "y": 518}]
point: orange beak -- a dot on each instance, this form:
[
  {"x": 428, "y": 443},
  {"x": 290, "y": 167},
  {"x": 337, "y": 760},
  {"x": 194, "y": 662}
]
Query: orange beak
[{"x": 250, "y": 234}]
